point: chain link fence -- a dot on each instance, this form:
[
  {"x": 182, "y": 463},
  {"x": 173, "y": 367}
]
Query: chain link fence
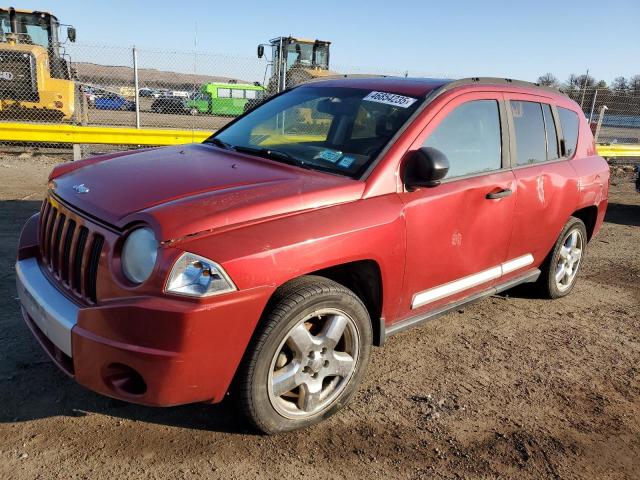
[
  {"x": 614, "y": 116},
  {"x": 113, "y": 86}
]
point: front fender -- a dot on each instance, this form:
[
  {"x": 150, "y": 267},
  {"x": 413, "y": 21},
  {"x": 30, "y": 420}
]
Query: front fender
[{"x": 274, "y": 252}]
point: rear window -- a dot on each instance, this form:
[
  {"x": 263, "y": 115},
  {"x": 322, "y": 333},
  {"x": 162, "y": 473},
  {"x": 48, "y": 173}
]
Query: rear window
[
  {"x": 569, "y": 122},
  {"x": 531, "y": 141}
]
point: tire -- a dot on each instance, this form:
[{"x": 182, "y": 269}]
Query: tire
[
  {"x": 315, "y": 337},
  {"x": 564, "y": 259},
  {"x": 193, "y": 112}
]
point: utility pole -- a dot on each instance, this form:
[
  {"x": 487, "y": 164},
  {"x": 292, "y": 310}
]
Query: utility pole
[
  {"x": 584, "y": 87},
  {"x": 593, "y": 105},
  {"x": 600, "y": 117},
  {"x": 136, "y": 85}
]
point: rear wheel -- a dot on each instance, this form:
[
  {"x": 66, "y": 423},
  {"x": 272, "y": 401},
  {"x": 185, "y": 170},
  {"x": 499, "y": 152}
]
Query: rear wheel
[
  {"x": 308, "y": 358},
  {"x": 193, "y": 111},
  {"x": 560, "y": 270}
]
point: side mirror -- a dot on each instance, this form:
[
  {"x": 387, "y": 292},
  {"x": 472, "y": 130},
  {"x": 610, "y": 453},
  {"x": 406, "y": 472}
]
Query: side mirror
[
  {"x": 260, "y": 51},
  {"x": 71, "y": 34},
  {"x": 425, "y": 168}
]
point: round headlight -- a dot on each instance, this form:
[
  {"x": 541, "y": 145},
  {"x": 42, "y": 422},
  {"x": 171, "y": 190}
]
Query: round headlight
[{"x": 139, "y": 254}]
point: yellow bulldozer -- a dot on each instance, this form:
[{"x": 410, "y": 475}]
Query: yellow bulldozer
[
  {"x": 35, "y": 78},
  {"x": 295, "y": 60}
]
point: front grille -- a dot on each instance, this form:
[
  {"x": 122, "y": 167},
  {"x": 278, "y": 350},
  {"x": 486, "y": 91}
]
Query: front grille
[
  {"x": 70, "y": 250},
  {"x": 18, "y": 76}
]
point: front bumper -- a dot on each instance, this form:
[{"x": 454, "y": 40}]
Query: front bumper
[{"x": 157, "y": 351}]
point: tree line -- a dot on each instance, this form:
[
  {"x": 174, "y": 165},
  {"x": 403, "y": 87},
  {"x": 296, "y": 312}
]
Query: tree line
[{"x": 619, "y": 85}]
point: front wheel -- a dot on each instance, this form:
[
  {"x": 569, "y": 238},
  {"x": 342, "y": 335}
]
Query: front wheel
[
  {"x": 560, "y": 269},
  {"x": 308, "y": 357}
]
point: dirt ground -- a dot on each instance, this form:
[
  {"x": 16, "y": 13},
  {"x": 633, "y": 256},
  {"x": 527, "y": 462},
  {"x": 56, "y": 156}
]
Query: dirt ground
[{"x": 512, "y": 386}]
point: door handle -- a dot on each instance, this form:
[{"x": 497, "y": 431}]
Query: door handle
[{"x": 505, "y": 192}]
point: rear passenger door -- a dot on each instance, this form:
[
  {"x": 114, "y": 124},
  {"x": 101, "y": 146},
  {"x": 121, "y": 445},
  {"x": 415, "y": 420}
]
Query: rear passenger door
[{"x": 545, "y": 179}]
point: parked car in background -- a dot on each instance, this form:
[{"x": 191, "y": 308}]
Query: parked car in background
[
  {"x": 148, "y": 92},
  {"x": 268, "y": 260},
  {"x": 113, "y": 101},
  {"x": 224, "y": 98},
  {"x": 170, "y": 105},
  {"x": 89, "y": 94}
]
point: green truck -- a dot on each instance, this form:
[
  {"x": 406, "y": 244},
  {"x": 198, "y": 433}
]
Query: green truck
[{"x": 224, "y": 98}]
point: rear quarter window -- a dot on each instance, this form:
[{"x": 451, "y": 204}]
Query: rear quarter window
[{"x": 569, "y": 122}]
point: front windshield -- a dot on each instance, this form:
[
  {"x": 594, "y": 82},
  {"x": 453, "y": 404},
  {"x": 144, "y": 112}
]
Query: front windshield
[
  {"x": 32, "y": 29},
  {"x": 339, "y": 130}
]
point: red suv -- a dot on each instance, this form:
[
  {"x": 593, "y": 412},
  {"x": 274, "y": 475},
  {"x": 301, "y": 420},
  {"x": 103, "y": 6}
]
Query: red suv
[{"x": 267, "y": 260}]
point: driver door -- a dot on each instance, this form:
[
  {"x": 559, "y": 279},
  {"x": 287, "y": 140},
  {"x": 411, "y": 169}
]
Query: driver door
[{"x": 458, "y": 232}]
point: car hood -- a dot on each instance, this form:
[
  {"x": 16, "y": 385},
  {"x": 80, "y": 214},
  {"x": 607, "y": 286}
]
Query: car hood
[{"x": 185, "y": 190}]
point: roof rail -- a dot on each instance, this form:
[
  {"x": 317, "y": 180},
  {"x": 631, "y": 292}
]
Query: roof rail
[{"x": 494, "y": 81}]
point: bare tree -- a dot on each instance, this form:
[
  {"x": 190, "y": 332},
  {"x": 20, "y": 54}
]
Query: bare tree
[
  {"x": 620, "y": 85},
  {"x": 548, "y": 80},
  {"x": 634, "y": 85},
  {"x": 578, "y": 82}
]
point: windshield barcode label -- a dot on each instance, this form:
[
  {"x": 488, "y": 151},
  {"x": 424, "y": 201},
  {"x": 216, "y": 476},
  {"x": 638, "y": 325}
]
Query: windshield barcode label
[{"x": 390, "y": 99}]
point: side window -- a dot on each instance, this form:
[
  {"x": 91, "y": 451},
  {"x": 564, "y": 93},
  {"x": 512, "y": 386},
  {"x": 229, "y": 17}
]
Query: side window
[
  {"x": 237, "y": 93},
  {"x": 224, "y": 93},
  {"x": 569, "y": 122},
  {"x": 550, "y": 127},
  {"x": 531, "y": 144},
  {"x": 470, "y": 137},
  {"x": 251, "y": 93}
]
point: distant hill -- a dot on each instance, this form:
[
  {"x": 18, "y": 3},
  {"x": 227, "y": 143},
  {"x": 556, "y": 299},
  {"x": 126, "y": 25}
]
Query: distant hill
[{"x": 117, "y": 76}]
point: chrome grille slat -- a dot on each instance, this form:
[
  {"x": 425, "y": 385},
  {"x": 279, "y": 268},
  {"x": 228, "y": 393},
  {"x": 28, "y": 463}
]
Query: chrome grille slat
[
  {"x": 78, "y": 260},
  {"x": 70, "y": 249},
  {"x": 91, "y": 275},
  {"x": 50, "y": 230},
  {"x": 66, "y": 251},
  {"x": 55, "y": 250}
]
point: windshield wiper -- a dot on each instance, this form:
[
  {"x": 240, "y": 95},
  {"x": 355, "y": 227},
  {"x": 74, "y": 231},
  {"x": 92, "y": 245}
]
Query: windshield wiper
[
  {"x": 272, "y": 154},
  {"x": 219, "y": 143}
]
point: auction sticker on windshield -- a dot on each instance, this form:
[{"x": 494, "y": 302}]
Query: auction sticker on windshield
[{"x": 390, "y": 99}]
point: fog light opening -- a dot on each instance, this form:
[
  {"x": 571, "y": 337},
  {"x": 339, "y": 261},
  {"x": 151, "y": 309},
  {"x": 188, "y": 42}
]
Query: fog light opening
[{"x": 124, "y": 379}]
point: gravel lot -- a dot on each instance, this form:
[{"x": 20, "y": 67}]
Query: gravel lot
[{"x": 512, "y": 386}]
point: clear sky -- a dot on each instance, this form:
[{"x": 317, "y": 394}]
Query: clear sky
[{"x": 517, "y": 39}]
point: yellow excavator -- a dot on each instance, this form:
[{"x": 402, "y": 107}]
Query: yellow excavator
[
  {"x": 35, "y": 78},
  {"x": 295, "y": 60}
]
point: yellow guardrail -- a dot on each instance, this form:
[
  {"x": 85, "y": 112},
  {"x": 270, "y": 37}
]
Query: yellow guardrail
[
  {"x": 614, "y": 150},
  {"x": 55, "y": 133}
]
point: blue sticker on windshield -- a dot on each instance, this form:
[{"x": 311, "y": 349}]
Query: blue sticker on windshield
[
  {"x": 329, "y": 155},
  {"x": 346, "y": 161}
]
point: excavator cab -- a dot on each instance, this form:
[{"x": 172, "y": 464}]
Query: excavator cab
[
  {"x": 35, "y": 77},
  {"x": 301, "y": 53},
  {"x": 295, "y": 60}
]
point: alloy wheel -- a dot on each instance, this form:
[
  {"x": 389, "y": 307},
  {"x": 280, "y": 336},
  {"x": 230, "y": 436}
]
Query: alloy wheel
[
  {"x": 313, "y": 363},
  {"x": 569, "y": 259}
]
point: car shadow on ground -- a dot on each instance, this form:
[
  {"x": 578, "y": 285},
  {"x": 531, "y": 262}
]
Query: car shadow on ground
[
  {"x": 623, "y": 214},
  {"x": 37, "y": 390}
]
